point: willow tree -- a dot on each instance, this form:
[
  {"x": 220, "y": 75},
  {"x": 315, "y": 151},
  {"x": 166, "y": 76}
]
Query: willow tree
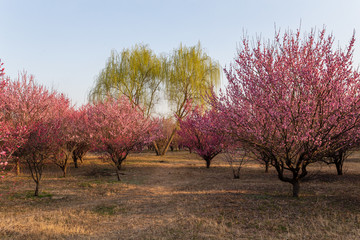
[
  {"x": 190, "y": 76},
  {"x": 136, "y": 73}
]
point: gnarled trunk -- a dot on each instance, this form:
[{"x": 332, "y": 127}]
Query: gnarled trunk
[
  {"x": 75, "y": 159},
  {"x": 339, "y": 159},
  {"x": 298, "y": 172},
  {"x": 118, "y": 174},
  {"x": 208, "y": 162},
  {"x": 64, "y": 171},
  {"x": 236, "y": 173},
  {"x": 156, "y": 148},
  {"x": 266, "y": 166},
  {"x": 117, "y": 164},
  {"x": 296, "y": 188},
  {"x": 37, "y": 189},
  {"x": 339, "y": 168},
  {"x": 167, "y": 145}
]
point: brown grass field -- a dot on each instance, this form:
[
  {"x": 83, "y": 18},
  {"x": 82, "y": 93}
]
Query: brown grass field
[{"x": 176, "y": 197}]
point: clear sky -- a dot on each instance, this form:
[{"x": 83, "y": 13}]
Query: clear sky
[{"x": 65, "y": 43}]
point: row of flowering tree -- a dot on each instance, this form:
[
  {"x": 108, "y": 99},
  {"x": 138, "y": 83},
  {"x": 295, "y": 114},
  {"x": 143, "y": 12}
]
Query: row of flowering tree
[
  {"x": 290, "y": 103},
  {"x": 39, "y": 126},
  {"x": 34, "y": 119}
]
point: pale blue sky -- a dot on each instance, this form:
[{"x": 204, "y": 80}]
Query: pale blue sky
[{"x": 65, "y": 43}]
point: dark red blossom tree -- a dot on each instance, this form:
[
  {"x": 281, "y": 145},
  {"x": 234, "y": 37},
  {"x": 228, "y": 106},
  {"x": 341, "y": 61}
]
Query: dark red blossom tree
[{"x": 199, "y": 132}]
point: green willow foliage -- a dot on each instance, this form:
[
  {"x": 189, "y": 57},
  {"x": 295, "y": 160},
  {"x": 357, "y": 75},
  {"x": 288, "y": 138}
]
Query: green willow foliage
[
  {"x": 136, "y": 73},
  {"x": 190, "y": 75}
]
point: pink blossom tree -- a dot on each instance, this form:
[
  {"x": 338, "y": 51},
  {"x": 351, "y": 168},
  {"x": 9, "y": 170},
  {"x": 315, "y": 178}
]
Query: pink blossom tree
[
  {"x": 199, "y": 132},
  {"x": 3, "y": 124},
  {"x": 293, "y": 101},
  {"x": 39, "y": 112},
  {"x": 19, "y": 114},
  {"x": 3, "y": 84},
  {"x": 12, "y": 135},
  {"x": 81, "y": 139},
  {"x": 2, "y": 69},
  {"x": 70, "y": 137},
  {"x": 39, "y": 148},
  {"x": 116, "y": 128}
]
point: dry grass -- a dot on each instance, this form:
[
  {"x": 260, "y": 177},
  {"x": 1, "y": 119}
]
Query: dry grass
[{"x": 176, "y": 197}]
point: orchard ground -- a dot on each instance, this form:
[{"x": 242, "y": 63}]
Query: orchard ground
[{"x": 176, "y": 197}]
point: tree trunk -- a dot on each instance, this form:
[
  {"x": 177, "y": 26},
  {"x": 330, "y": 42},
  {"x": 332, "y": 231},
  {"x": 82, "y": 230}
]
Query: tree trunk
[
  {"x": 236, "y": 173},
  {"x": 296, "y": 188},
  {"x": 156, "y": 148},
  {"x": 37, "y": 189},
  {"x": 75, "y": 160},
  {"x": 118, "y": 174},
  {"x": 167, "y": 145},
  {"x": 339, "y": 167},
  {"x": 208, "y": 163},
  {"x": 339, "y": 159},
  {"x": 118, "y": 168},
  {"x": 266, "y": 166},
  {"x": 17, "y": 167},
  {"x": 64, "y": 171}
]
